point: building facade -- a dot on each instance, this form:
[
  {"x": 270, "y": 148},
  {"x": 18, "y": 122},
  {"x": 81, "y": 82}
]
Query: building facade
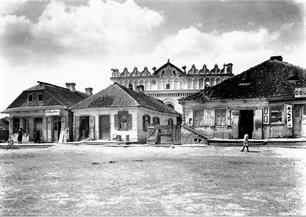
[
  {"x": 170, "y": 83},
  {"x": 43, "y": 111},
  {"x": 266, "y": 101},
  {"x": 118, "y": 113}
]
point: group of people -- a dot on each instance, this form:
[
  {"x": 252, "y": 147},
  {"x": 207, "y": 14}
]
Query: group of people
[{"x": 20, "y": 135}]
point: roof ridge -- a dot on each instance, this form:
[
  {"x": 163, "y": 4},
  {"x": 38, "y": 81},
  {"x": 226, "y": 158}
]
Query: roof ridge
[{"x": 53, "y": 85}]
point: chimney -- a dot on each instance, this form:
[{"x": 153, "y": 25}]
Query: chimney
[
  {"x": 154, "y": 69},
  {"x": 70, "y": 86},
  {"x": 140, "y": 89},
  {"x": 229, "y": 68},
  {"x": 88, "y": 91},
  {"x": 279, "y": 58},
  {"x": 184, "y": 68}
]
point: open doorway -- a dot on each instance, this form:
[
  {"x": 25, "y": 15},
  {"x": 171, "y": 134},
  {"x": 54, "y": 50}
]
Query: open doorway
[
  {"x": 246, "y": 120},
  {"x": 56, "y": 128},
  {"x": 84, "y": 127}
]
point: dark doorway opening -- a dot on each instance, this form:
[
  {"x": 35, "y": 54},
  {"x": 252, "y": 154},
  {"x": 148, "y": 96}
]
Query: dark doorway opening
[
  {"x": 104, "y": 127},
  {"x": 84, "y": 127},
  {"x": 56, "y": 128},
  {"x": 246, "y": 120}
]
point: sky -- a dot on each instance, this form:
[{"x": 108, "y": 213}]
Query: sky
[{"x": 80, "y": 41}]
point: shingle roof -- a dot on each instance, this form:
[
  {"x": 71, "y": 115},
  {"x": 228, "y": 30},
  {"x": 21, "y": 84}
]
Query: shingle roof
[
  {"x": 4, "y": 123},
  {"x": 53, "y": 95},
  {"x": 265, "y": 80},
  {"x": 117, "y": 95}
]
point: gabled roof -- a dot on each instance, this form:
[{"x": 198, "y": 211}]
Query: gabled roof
[
  {"x": 53, "y": 95},
  {"x": 266, "y": 80},
  {"x": 158, "y": 71},
  {"x": 117, "y": 95}
]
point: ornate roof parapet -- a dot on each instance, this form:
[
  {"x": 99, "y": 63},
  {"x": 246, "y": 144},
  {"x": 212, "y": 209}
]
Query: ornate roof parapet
[
  {"x": 115, "y": 73},
  {"x": 204, "y": 69},
  {"x": 125, "y": 73},
  {"x": 193, "y": 70},
  {"x": 215, "y": 70},
  {"x": 135, "y": 72},
  {"x": 145, "y": 72}
]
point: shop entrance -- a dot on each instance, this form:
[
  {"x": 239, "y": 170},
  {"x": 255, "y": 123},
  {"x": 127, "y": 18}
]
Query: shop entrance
[
  {"x": 246, "y": 120},
  {"x": 38, "y": 127},
  {"x": 84, "y": 127},
  {"x": 104, "y": 127},
  {"x": 56, "y": 128}
]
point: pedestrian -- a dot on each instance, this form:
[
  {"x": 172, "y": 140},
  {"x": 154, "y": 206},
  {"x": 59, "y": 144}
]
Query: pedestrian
[
  {"x": 37, "y": 137},
  {"x": 246, "y": 142},
  {"x": 19, "y": 138}
]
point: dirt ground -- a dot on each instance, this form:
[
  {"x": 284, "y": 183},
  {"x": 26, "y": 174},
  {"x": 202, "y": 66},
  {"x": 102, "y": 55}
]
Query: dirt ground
[{"x": 95, "y": 180}]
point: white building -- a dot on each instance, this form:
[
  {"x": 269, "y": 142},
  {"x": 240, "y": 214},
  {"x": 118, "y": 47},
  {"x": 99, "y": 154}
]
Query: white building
[{"x": 170, "y": 83}]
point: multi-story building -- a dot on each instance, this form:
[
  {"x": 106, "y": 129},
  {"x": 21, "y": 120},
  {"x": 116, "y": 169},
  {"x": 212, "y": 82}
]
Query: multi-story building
[{"x": 170, "y": 83}]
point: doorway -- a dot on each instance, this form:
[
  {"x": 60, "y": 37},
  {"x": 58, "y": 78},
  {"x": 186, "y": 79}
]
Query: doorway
[
  {"x": 297, "y": 120},
  {"x": 246, "y": 120},
  {"x": 56, "y": 128},
  {"x": 104, "y": 127},
  {"x": 84, "y": 127},
  {"x": 38, "y": 127}
]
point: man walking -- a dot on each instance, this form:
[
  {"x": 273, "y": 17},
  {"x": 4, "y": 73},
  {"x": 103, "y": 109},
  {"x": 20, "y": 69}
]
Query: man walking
[{"x": 246, "y": 142}]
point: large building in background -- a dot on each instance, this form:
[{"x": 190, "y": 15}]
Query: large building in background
[{"x": 170, "y": 83}]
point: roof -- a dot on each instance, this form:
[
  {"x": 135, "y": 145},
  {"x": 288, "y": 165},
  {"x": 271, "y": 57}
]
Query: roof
[
  {"x": 165, "y": 66},
  {"x": 55, "y": 95},
  {"x": 117, "y": 95},
  {"x": 268, "y": 79}
]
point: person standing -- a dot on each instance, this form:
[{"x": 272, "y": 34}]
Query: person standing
[
  {"x": 19, "y": 138},
  {"x": 246, "y": 142}
]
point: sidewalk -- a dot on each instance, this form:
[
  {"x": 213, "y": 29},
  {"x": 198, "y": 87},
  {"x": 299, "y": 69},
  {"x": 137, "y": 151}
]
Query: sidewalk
[{"x": 26, "y": 145}]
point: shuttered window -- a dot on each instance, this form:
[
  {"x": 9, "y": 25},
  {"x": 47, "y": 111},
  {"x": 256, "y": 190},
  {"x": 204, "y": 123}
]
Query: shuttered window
[
  {"x": 198, "y": 117},
  {"x": 208, "y": 117},
  {"x": 123, "y": 121},
  {"x": 276, "y": 114},
  {"x": 145, "y": 122},
  {"x": 156, "y": 120},
  {"x": 220, "y": 117}
]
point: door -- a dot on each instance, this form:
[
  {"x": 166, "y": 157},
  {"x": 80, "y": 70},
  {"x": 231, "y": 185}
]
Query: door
[
  {"x": 297, "y": 120},
  {"x": 104, "y": 127},
  {"x": 246, "y": 120},
  {"x": 56, "y": 128},
  {"x": 38, "y": 127}
]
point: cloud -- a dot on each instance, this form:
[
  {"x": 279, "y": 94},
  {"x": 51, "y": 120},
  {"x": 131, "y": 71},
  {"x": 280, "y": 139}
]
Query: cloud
[
  {"x": 242, "y": 48},
  {"x": 97, "y": 28},
  {"x": 10, "y": 6}
]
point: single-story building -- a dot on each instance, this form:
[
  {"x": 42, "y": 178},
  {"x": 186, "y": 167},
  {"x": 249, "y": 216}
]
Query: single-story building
[
  {"x": 42, "y": 112},
  {"x": 119, "y": 113},
  {"x": 265, "y": 101},
  {"x": 4, "y": 129}
]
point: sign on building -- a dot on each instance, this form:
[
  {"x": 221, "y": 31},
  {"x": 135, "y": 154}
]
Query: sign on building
[
  {"x": 289, "y": 116},
  {"x": 300, "y": 92},
  {"x": 52, "y": 112}
]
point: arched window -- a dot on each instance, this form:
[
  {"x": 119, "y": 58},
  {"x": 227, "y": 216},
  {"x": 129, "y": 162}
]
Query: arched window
[
  {"x": 156, "y": 120},
  {"x": 189, "y": 83},
  {"x": 170, "y": 122},
  {"x": 218, "y": 80},
  {"x": 131, "y": 86},
  {"x": 145, "y": 122},
  {"x": 207, "y": 83},
  {"x": 212, "y": 82},
  {"x": 168, "y": 86}
]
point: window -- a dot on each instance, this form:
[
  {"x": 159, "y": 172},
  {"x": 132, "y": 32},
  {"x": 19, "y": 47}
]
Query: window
[
  {"x": 220, "y": 117},
  {"x": 30, "y": 97},
  {"x": 208, "y": 117},
  {"x": 131, "y": 86},
  {"x": 145, "y": 122},
  {"x": 123, "y": 121},
  {"x": 276, "y": 114},
  {"x": 156, "y": 120},
  {"x": 40, "y": 97},
  {"x": 170, "y": 122},
  {"x": 167, "y": 86},
  {"x": 198, "y": 116}
]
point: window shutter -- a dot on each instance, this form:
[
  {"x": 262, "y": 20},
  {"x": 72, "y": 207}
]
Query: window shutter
[
  {"x": 228, "y": 117},
  {"x": 144, "y": 123},
  {"x": 116, "y": 121},
  {"x": 129, "y": 122},
  {"x": 212, "y": 116}
]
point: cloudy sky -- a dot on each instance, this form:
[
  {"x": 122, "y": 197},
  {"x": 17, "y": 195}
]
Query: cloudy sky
[{"x": 81, "y": 40}]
